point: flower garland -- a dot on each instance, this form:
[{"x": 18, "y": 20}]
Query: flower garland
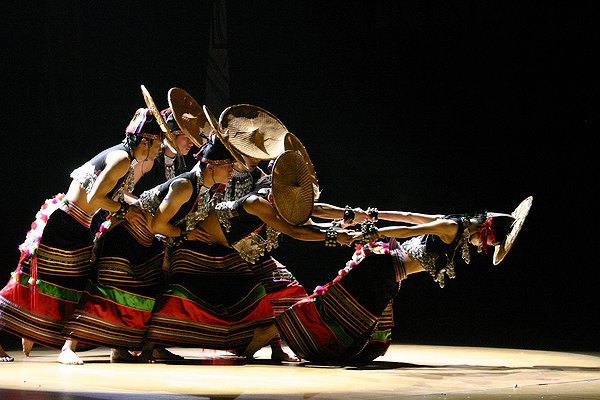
[
  {"x": 103, "y": 228},
  {"x": 33, "y": 237},
  {"x": 361, "y": 251}
]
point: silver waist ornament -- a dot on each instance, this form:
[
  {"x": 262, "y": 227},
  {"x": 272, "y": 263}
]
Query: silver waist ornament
[{"x": 252, "y": 246}]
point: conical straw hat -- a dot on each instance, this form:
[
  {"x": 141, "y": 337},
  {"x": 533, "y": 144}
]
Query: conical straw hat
[
  {"x": 160, "y": 120},
  {"x": 520, "y": 213},
  {"x": 253, "y": 131},
  {"x": 189, "y": 116},
  {"x": 292, "y": 188}
]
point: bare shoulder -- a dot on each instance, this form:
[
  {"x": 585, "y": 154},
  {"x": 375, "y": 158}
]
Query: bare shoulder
[
  {"x": 448, "y": 229},
  {"x": 117, "y": 156},
  {"x": 181, "y": 186},
  {"x": 255, "y": 204}
]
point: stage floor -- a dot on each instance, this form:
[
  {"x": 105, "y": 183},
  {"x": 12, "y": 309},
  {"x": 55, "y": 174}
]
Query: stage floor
[{"x": 406, "y": 371}]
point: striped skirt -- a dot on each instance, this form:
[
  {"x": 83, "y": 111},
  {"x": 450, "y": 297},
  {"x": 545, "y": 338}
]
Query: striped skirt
[
  {"x": 349, "y": 321},
  {"x": 116, "y": 307},
  {"x": 282, "y": 288},
  {"x": 48, "y": 282},
  {"x": 213, "y": 300}
]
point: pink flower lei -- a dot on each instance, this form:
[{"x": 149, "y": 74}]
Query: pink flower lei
[
  {"x": 34, "y": 235},
  {"x": 361, "y": 251}
]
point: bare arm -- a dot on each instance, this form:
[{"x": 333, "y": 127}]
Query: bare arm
[
  {"x": 329, "y": 211},
  {"x": 446, "y": 229},
  {"x": 117, "y": 166},
  {"x": 179, "y": 192},
  {"x": 264, "y": 210},
  {"x": 407, "y": 217}
]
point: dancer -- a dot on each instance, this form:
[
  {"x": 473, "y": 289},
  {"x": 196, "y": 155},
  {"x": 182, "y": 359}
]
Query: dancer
[
  {"x": 246, "y": 125},
  {"x": 214, "y": 299},
  {"x": 55, "y": 260},
  {"x": 117, "y": 303},
  {"x": 260, "y": 136},
  {"x": 173, "y": 161},
  {"x": 334, "y": 326}
]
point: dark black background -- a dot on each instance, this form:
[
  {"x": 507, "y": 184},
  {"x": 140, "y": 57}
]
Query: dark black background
[{"x": 414, "y": 105}]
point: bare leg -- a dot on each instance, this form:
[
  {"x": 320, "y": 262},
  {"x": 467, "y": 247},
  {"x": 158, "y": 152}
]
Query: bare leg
[
  {"x": 278, "y": 354},
  {"x": 262, "y": 337},
  {"x": 27, "y": 346},
  {"x": 4, "y": 357},
  {"x": 67, "y": 354}
]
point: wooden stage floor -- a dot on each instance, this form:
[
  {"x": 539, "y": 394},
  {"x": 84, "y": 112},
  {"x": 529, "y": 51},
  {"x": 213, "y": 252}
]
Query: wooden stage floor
[{"x": 406, "y": 371}]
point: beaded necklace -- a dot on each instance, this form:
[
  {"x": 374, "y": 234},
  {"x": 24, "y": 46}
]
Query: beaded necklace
[{"x": 202, "y": 205}]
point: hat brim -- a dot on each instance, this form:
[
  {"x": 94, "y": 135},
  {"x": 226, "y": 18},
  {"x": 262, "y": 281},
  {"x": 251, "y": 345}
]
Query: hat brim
[
  {"x": 292, "y": 188},
  {"x": 253, "y": 131},
  {"x": 189, "y": 116},
  {"x": 216, "y": 129},
  {"x": 293, "y": 143},
  {"x": 164, "y": 127},
  {"x": 520, "y": 213}
]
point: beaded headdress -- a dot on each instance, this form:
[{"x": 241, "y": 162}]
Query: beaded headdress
[
  {"x": 214, "y": 152},
  {"x": 144, "y": 125},
  {"x": 167, "y": 114}
]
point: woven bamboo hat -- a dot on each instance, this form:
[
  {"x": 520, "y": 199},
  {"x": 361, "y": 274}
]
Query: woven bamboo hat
[
  {"x": 170, "y": 138},
  {"x": 520, "y": 213},
  {"x": 189, "y": 116},
  {"x": 293, "y": 143},
  {"x": 218, "y": 131},
  {"x": 253, "y": 131},
  {"x": 292, "y": 188}
]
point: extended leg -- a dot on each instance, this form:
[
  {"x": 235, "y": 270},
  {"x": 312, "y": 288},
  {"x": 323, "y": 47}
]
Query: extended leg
[{"x": 262, "y": 337}]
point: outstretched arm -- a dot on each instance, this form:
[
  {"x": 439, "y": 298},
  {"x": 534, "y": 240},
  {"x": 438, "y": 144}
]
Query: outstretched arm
[
  {"x": 446, "y": 229},
  {"x": 408, "y": 217},
  {"x": 331, "y": 212},
  {"x": 260, "y": 207}
]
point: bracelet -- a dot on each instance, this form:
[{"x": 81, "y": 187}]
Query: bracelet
[
  {"x": 178, "y": 241},
  {"x": 373, "y": 213},
  {"x": 331, "y": 237},
  {"x": 369, "y": 231},
  {"x": 121, "y": 212},
  {"x": 348, "y": 215}
]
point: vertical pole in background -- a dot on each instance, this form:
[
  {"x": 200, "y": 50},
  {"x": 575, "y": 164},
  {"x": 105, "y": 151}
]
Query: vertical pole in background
[{"x": 217, "y": 74}]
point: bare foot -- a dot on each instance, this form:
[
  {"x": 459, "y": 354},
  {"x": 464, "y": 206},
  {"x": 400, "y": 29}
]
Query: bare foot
[
  {"x": 27, "y": 346},
  {"x": 160, "y": 353},
  {"x": 278, "y": 354},
  {"x": 68, "y": 357},
  {"x": 262, "y": 336}
]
